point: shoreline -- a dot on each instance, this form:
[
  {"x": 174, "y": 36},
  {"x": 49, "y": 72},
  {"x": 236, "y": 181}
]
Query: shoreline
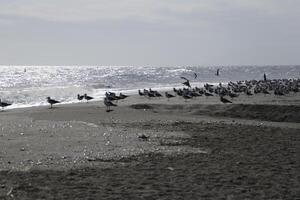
[{"x": 291, "y": 99}]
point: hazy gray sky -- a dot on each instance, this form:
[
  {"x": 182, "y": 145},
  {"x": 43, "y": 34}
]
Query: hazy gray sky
[{"x": 149, "y": 32}]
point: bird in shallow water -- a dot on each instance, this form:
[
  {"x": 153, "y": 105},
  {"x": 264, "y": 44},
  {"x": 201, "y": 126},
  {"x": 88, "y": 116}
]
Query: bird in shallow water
[
  {"x": 218, "y": 72},
  {"x": 265, "y": 77},
  {"x": 223, "y": 100},
  {"x": 87, "y": 98},
  {"x": 52, "y": 101},
  {"x": 108, "y": 104},
  {"x": 4, "y": 104}
]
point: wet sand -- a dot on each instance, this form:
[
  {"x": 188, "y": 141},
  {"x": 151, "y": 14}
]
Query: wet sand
[{"x": 200, "y": 149}]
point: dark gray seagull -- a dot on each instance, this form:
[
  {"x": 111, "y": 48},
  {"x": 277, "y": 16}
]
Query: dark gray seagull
[
  {"x": 169, "y": 95},
  {"x": 187, "y": 82},
  {"x": 108, "y": 104},
  {"x": 52, "y": 101},
  {"x": 80, "y": 97},
  {"x": 224, "y": 100},
  {"x": 87, "y": 98},
  {"x": 4, "y": 104}
]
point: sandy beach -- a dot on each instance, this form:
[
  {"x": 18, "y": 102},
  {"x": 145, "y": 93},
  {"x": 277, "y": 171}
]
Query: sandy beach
[{"x": 153, "y": 149}]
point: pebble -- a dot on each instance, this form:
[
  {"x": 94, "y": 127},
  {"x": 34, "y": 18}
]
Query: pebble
[
  {"x": 39, "y": 163},
  {"x": 170, "y": 168}
]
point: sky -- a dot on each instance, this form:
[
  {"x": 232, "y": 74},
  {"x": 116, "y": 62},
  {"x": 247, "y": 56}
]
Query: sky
[{"x": 149, "y": 32}]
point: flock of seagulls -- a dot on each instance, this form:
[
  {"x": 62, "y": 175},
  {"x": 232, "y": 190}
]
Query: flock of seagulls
[
  {"x": 279, "y": 87},
  {"x": 108, "y": 100}
]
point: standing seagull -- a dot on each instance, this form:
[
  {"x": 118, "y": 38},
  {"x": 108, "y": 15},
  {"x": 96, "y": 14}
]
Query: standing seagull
[
  {"x": 4, "y": 104},
  {"x": 52, "y": 101},
  {"x": 87, "y": 98},
  {"x": 169, "y": 95},
  {"x": 122, "y": 96},
  {"x": 224, "y": 100},
  {"x": 141, "y": 93},
  {"x": 80, "y": 97},
  {"x": 108, "y": 104}
]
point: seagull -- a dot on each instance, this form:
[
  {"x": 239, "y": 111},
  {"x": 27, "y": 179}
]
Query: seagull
[
  {"x": 186, "y": 97},
  {"x": 224, "y": 100},
  {"x": 187, "y": 83},
  {"x": 108, "y": 104},
  {"x": 52, "y": 101},
  {"x": 87, "y": 98},
  {"x": 266, "y": 92},
  {"x": 141, "y": 93},
  {"x": 150, "y": 94},
  {"x": 169, "y": 95},
  {"x": 123, "y": 96},
  {"x": 157, "y": 94},
  {"x": 4, "y": 104},
  {"x": 80, "y": 97},
  {"x": 184, "y": 78},
  {"x": 248, "y": 92},
  {"x": 233, "y": 95},
  {"x": 208, "y": 94}
]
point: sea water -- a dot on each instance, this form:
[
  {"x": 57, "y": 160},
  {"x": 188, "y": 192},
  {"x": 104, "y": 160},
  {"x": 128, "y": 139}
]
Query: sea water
[{"x": 30, "y": 85}]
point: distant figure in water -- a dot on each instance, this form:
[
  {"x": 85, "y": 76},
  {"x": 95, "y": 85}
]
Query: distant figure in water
[
  {"x": 24, "y": 70},
  {"x": 218, "y": 72},
  {"x": 265, "y": 77}
]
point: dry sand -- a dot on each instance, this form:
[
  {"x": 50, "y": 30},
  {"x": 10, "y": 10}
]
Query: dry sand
[{"x": 200, "y": 149}]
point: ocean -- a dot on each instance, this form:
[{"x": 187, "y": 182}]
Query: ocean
[{"x": 26, "y": 86}]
